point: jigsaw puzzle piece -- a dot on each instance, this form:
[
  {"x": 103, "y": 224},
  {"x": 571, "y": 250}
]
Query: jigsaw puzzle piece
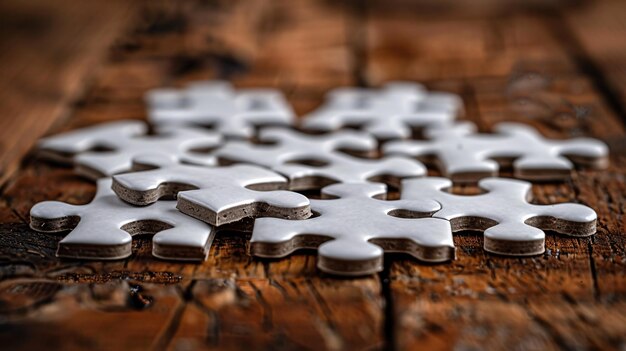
[
  {"x": 338, "y": 168},
  {"x": 195, "y": 91},
  {"x": 465, "y": 156},
  {"x": 265, "y": 107},
  {"x": 538, "y": 158},
  {"x": 63, "y": 147},
  {"x": 103, "y": 229},
  {"x": 391, "y": 112},
  {"x": 511, "y": 225},
  {"x": 353, "y": 229},
  {"x": 447, "y": 148},
  {"x": 311, "y": 162},
  {"x": 442, "y": 102},
  {"x": 219, "y": 113},
  {"x": 287, "y": 146},
  {"x": 107, "y": 149},
  {"x": 217, "y": 195},
  {"x": 221, "y": 207},
  {"x": 234, "y": 114}
]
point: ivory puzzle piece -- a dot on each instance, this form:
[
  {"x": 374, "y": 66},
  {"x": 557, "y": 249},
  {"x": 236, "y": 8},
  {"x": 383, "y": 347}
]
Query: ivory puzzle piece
[
  {"x": 465, "y": 156},
  {"x": 216, "y": 195},
  {"x": 511, "y": 225},
  {"x": 103, "y": 229},
  {"x": 282, "y": 145},
  {"x": 292, "y": 153},
  {"x": 122, "y": 142},
  {"x": 353, "y": 229},
  {"x": 389, "y": 113},
  {"x": 216, "y": 104}
]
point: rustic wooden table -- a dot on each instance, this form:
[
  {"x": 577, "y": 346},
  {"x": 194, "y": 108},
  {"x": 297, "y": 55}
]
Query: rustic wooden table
[{"x": 557, "y": 65}]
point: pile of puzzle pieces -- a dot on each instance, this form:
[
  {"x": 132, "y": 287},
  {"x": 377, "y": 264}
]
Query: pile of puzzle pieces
[{"x": 213, "y": 157}]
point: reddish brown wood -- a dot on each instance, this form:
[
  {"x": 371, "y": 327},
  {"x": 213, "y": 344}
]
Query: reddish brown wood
[
  {"x": 597, "y": 31},
  {"x": 44, "y": 72},
  {"x": 524, "y": 74},
  {"x": 507, "y": 62}
]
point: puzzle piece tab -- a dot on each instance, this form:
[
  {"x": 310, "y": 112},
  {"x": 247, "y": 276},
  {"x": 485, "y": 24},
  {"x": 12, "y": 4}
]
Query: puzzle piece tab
[
  {"x": 289, "y": 147},
  {"x": 511, "y": 225},
  {"x": 220, "y": 195},
  {"x": 122, "y": 141},
  {"x": 103, "y": 229},
  {"x": 465, "y": 156},
  {"x": 233, "y": 114},
  {"x": 355, "y": 228},
  {"x": 389, "y": 113}
]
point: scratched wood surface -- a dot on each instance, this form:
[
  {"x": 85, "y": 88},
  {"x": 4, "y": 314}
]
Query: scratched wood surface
[{"x": 557, "y": 65}]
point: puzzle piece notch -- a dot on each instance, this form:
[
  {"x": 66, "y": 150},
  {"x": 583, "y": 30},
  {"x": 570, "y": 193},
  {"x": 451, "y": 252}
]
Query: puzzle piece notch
[
  {"x": 216, "y": 195},
  {"x": 389, "y": 113},
  {"x": 466, "y": 156},
  {"x": 511, "y": 225},
  {"x": 103, "y": 228},
  {"x": 232, "y": 113},
  {"x": 120, "y": 142},
  {"x": 354, "y": 228}
]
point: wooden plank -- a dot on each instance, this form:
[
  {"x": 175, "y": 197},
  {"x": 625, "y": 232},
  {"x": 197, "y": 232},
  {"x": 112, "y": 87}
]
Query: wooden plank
[
  {"x": 43, "y": 71},
  {"x": 409, "y": 46},
  {"x": 514, "y": 67},
  {"x": 292, "y": 313},
  {"x": 509, "y": 69},
  {"x": 231, "y": 301},
  {"x": 597, "y": 34},
  {"x": 303, "y": 46},
  {"x": 77, "y": 317}
]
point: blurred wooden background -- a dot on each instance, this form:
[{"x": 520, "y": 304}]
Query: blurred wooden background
[{"x": 557, "y": 65}]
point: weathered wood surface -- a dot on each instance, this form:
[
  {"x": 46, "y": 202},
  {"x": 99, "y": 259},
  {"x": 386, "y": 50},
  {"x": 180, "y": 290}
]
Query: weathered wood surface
[
  {"x": 525, "y": 62},
  {"x": 49, "y": 51}
]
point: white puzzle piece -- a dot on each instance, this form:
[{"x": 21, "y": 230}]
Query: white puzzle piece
[
  {"x": 466, "y": 156},
  {"x": 389, "y": 113},
  {"x": 511, "y": 225},
  {"x": 103, "y": 229},
  {"x": 439, "y": 101},
  {"x": 122, "y": 141},
  {"x": 331, "y": 166},
  {"x": 220, "y": 195},
  {"x": 234, "y": 114},
  {"x": 179, "y": 98},
  {"x": 280, "y": 145},
  {"x": 355, "y": 227},
  {"x": 339, "y": 168}
]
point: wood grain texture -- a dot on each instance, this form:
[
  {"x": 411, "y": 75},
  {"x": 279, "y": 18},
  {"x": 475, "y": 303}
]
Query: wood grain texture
[
  {"x": 42, "y": 71},
  {"x": 485, "y": 301},
  {"x": 597, "y": 31},
  {"x": 521, "y": 62}
]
